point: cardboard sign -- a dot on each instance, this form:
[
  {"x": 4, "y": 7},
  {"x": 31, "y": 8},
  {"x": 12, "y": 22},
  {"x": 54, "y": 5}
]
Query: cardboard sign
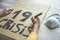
[{"x": 17, "y": 25}]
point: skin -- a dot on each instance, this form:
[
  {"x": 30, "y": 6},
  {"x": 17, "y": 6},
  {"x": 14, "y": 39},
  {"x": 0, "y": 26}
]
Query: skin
[
  {"x": 36, "y": 21},
  {"x": 5, "y": 12},
  {"x": 36, "y": 24}
]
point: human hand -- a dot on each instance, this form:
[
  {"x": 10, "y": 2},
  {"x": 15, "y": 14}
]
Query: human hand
[
  {"x": 36, "y": 24},
  {"x": 5, "y": 12},
  {"x": 36, "y": 21}
]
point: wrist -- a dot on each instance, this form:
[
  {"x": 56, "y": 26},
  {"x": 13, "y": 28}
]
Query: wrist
[
  {"x": 36, "y": 25},
  {"x": 35, "y": 29}
]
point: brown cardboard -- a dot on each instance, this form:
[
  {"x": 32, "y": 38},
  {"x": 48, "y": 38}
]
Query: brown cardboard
[{"x": 22, "y": 8}]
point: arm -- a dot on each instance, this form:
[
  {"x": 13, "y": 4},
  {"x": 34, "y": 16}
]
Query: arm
[
  {"x": 33, "y": 34},
  {"x": 5, "y": 12}
]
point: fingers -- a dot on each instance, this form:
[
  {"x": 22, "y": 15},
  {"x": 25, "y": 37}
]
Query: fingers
[
  {"x": 8, "y": 10},
  {"x": 35, "y": 20},
  {"x": 5, "y": 12},
  {"x": 36, "y": 23}
]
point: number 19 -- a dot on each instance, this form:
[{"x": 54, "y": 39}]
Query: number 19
[{"x": 24, "y": 14}]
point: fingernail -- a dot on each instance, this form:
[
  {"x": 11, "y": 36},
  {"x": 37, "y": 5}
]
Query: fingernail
[
  {"x": 10, "y": 8},
  {"x": 7, "y": 9},
  {"x": 10, "y": 11}
]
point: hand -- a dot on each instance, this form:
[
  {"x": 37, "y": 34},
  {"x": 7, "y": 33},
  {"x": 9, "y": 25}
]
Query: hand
[
  {"x": 36, "y": 21},
  {"x": 5, "y": 12},
  {"x": 36, "y": 24}
]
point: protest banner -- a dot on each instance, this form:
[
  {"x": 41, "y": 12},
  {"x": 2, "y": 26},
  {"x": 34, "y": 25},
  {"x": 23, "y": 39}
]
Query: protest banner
[{"x": 17, "y": 25}]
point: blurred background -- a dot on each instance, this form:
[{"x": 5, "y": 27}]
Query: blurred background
[{"x": 7, "y": 3}]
